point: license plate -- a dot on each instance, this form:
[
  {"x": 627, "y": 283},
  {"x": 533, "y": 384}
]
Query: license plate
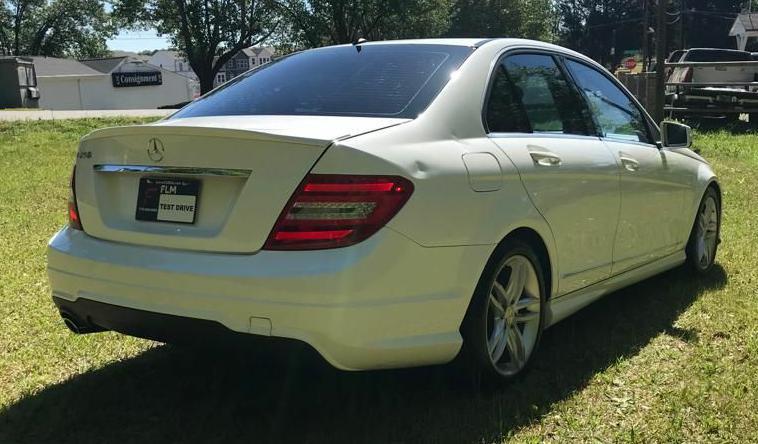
[{"x": 167, "y": 200}]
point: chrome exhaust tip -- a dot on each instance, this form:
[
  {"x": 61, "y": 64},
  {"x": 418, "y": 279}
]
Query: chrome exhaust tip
[
  {"x": 71, "y": 324},
  {"x": 77, "y": 326}
]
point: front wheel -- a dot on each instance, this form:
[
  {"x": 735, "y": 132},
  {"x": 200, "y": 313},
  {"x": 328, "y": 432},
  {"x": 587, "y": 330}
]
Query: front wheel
[
  {"x": 504, "y": 322},
  {"x": 704, "y": 238}
]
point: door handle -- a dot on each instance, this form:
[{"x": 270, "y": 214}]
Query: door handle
[
  {"x": 545, "y": 158},
  {"x": 629, "y": 162}
]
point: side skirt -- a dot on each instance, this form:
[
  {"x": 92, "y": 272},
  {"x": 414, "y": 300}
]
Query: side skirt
[{"x": 562, "y": 307}]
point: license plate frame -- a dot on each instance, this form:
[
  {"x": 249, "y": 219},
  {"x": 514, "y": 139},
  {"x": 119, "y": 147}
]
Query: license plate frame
[{"x": 168, "y": 200}]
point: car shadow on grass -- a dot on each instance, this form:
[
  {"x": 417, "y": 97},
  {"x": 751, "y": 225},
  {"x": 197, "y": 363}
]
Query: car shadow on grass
[{"x": 167, "y": 394}]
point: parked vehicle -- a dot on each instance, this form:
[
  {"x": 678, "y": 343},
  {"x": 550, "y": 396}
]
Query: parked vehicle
[
  {"x": 714, "y": 82},
  {"x": 391, "y": 204}
]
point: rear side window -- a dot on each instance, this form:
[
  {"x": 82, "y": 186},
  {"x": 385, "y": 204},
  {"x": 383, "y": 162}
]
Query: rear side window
[
  {"x": 505, "y": 113},
  {"x": 615, "y": 113},
  {"x": 368, "y": 80},
  {"x": 531, "y": 94}
]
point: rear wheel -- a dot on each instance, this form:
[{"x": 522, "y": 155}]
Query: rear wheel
[
  {"x": 504, "y": 322},
  {"x": 704, "y": 239}
]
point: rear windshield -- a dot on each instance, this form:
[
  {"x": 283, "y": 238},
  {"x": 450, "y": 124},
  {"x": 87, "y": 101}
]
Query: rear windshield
[
  {"x": 714, "y": 55},
  {"x": 375, "y": 81}
]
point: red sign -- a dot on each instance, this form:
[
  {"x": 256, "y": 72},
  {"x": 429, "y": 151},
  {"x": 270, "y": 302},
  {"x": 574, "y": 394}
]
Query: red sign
[{"x": 630, "y": 63}]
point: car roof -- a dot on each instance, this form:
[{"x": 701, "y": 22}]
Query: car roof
[
  {"x": 471, "y": 42},
  {"x": 478, "y": 42}
]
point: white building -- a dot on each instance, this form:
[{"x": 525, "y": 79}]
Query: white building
[
  {"x": 110, "y": 83},
  {"x": 244, "y": 60},
  {"x": 745, "y": 27},
  {"x": 172, "y": 61}
]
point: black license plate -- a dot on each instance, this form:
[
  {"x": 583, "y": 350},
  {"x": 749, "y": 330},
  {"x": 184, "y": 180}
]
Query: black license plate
[{"x": 167, "y": 200}]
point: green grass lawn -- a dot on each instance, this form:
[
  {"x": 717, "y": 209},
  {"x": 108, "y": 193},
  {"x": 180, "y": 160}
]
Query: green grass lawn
[{"x": 672, "y": 359}]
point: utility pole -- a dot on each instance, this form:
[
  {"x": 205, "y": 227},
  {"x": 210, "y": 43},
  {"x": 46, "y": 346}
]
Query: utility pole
[
  {"x": 660, "y": 60},
  {"x": 682, "y": 24},
  {"x": 645, "y": 34}
]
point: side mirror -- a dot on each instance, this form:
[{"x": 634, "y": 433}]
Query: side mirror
[{"x": 676, "y": 135}]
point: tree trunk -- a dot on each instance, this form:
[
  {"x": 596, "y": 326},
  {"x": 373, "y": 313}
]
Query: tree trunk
[{"x": 206, "y": 76}]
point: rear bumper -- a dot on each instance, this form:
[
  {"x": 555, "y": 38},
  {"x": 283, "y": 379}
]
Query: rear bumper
[
  {"x": 99, "y": 316},
  {"x": 386, "y": 302},
  {"x": 715, "y": 100}
]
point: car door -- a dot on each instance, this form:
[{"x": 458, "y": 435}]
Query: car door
[
  {"x": 653, "y": 184},
  {"x": 541, "y": 123}
]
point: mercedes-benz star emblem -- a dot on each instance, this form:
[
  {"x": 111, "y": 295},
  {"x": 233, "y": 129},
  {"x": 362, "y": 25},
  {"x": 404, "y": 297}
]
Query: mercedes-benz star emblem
[{"x": 155, "y": 150}]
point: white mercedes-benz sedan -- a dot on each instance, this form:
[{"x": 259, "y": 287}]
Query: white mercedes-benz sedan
[{"x": 391, "y": 204}]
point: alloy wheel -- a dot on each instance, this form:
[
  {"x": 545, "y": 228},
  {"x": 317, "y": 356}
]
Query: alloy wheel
[
  {"x": 513, "y": 315},
  {"x": 707, "y": 232}
]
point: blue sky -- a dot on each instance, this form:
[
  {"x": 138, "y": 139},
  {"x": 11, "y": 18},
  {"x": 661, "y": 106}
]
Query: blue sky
[{"x": 137, "y": 41}]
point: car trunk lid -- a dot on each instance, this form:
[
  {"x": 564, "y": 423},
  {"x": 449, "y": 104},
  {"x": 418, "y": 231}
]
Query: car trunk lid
[{"x": 212, "y": 184}]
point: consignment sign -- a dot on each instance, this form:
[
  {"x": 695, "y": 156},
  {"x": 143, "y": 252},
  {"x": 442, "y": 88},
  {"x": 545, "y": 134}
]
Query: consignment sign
[{"x": 124, "y": 79}]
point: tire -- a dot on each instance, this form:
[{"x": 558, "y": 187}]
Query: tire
[
  {"x": 705, "y": 235},
  {"x": 500, "y": 333}
]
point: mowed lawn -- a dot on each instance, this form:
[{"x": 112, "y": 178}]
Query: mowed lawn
[{"x": 672, "y": 359}]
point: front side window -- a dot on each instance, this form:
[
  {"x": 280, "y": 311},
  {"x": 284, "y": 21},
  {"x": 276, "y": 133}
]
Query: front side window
[
  {"x": 617, "y": 116},
  {"x": 537, "y": 96},
  {"x": 371, "y": 80}
]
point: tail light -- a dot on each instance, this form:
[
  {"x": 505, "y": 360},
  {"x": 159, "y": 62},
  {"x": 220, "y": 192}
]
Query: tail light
[
  {"x": 687, "y": 76},
  {"x": 330, "y": 211},
  {"x": 74, "y": 221}
]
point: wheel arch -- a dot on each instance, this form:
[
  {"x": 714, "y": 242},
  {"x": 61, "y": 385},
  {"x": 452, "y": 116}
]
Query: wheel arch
[
  {"x": 716, "y": 186},
  {"x": 531, "y": 237},
  {"x": 535, "y": 240}
]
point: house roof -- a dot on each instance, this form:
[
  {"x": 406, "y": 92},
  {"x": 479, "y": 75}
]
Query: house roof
[
  {"x": 748, "y": 21},
  {"x": 105, "y": 65},
  {"x": 52, "y": 66},
  {"x": 254, "y": 51}
]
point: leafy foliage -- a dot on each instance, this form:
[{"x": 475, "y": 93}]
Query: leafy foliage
[
  {"x": 314, "y": 23},
  {"x": 594, "y": 27},
  {"x": 76, "y": 28},
  {"x": 534, "y": 19}
]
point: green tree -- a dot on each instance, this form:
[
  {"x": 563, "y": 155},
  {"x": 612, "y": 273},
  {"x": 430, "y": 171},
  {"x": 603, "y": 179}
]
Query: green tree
[
  {"x": 208, "y": 32},
  {"x": 534, "y": 19},
  {"x": 76, "y": 28},
  {"x": 312, "y": 23},
  {"x": 605, "y": 29}
]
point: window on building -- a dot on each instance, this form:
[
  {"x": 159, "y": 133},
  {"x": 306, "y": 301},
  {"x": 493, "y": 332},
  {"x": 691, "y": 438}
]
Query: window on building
[
  {"x": 242, "y": 64},
  {"x": 22, "y": 76},
  {"x": 26, "y": 76},
  {"x": 220, "y": 78}
]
